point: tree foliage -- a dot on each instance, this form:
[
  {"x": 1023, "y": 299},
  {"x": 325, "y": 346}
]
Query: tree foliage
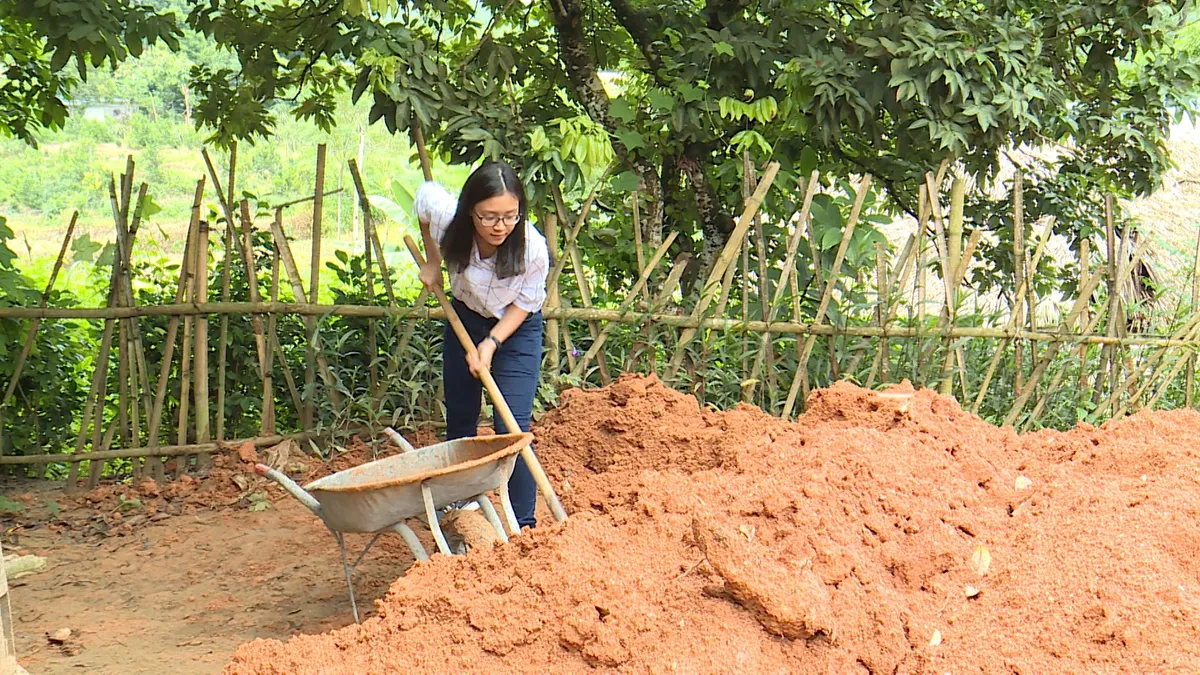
[{"x": 673, "y": 93}]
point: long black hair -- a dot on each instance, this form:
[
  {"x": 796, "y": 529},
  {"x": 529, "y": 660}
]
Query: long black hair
[{"x": 490, "y": 180}]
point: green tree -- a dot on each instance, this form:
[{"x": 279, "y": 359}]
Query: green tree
[{"x": 890, "y": 87}]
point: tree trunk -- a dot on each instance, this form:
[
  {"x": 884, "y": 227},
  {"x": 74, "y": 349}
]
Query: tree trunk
[
  {"x": 187, "y": 106},
  {"x": 588, "y": 89}
]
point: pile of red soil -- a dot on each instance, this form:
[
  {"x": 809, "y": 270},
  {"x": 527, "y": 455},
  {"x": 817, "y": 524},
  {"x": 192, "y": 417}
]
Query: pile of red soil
[{"x": 881, "y": 533}]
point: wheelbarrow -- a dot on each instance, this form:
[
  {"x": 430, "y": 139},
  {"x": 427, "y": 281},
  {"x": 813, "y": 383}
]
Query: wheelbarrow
[{"x": 379, "y": 496}]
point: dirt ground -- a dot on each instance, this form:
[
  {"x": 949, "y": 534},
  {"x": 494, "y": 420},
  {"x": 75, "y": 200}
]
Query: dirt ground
[
  {"x": 172, "y": 579},
  {"x": 880, "y": 533},
  {"x": 178, "y": 596}
]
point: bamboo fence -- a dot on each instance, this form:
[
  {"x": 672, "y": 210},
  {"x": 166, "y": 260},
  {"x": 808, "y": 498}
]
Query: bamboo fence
[{"x": 779, "y": 333}]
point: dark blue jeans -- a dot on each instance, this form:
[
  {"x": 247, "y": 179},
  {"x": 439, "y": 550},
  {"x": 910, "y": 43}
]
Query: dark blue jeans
[{"x": 516, "y": 367}]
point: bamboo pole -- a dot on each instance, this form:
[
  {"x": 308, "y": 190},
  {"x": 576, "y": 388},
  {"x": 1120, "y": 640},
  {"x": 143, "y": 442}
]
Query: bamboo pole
[
  {"x": 1189, "y": 331},
  {"x": 1112, "y": 367},
  {"x": 585, "y": 290},
  {"x": 574, "y": 314},
  {"x": 1085, "y": 259},
  {"x": 1086, "y": 324},
  {"x": 226, "y": 266},
  {"x": 637, "y": 230},
  {"x": 100, "y": 388},
  {"x": 262, "y": 349},
  {"x": 789, "y": 261},
  {"x": 1020, "y": 279},
  {"x": 1080, "y": 302},
  {"x": 247, "y": 249},
  {"x": 131, "y": 350},
  {"x": 419, "y": 141},
  {"x": 115, "y": 299},
  {"x": 679, "y": 266},
  {"x": 268, "y": 415},
  {"x": 882, "y": 315},
  {"x": 154, "y": 463},
  {"x": 123, "y": 353},
  {"x": 1035, "y": 374},
  {"x": 1166, "y": 383},
  {"x": 553, "y": 299},
  {"x": 159, "y": 451},
  {"x": 954, "y": 256},
  {"x": 711, "y": 286},
  {"x": 364, "y": 203},
  {"x": 293, "y": 273},
  {"x": 185, "y": 350},
  {"x": 200, "y": 350},
  {"x": 31, "y": 332},
  {"x": 1015, "y": 318},
  {"x": 921, "y": 272},
  {"x": 307, "y": 418},
  {"x": 958, "y": 272},
  {"x": 1186, "y": 332},
  {"x": 626, "y": 304},
  {"x": 748, "y": 180},
  {"x": 787, "y": 278},
  {"x": 765, "y": 356},
  {"x": 895, "y": 280},
  {"x": 827, "y": 294}
]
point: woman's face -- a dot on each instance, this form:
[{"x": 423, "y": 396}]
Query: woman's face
[{"x": 495, "y": 218}]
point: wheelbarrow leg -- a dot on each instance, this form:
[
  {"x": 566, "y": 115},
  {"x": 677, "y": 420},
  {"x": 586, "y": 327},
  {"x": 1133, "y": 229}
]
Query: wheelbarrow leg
[
  {"x": 431, "y": 514},
  {"x": 509, "y": 514},
  {"x": 346, "y": 568},
  {"x": 410, "y": 538},
  {"x": 506, "y": 500},
  {"x": 489, "y": 512}
]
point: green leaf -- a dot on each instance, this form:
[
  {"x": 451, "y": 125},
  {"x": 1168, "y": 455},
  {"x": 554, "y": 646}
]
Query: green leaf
[
  {"x": 691, "y": 94},
  {"x": 830, "y": 238},
  {"x": 723, "y": 48},
  {"x": 105, "y": 259},
  {"x": 619, "y": 108},
  {"x": 392, "y": 209},
  {"x": 661, "y": 99},
  {"x": 83, "y": 249},
  {"x": 402, "y": 196},
  {"x": 625, "y": 182},
  {"x": 631, "y": 139},
  {"x": 149, "y": 207}
]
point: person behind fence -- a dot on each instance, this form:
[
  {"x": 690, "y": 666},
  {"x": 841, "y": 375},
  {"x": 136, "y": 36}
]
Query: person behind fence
[{"x": 498, "y": 263}]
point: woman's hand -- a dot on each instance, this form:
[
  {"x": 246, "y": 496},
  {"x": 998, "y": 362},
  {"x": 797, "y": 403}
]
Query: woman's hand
[
  {"x": 431, "y": 276},
  {"x": 486, "y": 350}
]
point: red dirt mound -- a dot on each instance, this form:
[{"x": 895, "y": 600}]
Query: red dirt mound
[{"x": 880, "y": 533}]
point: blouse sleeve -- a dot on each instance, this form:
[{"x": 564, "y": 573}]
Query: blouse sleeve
[
  {"x": 435, "y": 205},
  {"x": 532, "y": 294}
]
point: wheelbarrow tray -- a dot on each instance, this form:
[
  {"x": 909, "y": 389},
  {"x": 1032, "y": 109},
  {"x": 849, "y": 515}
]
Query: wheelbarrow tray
[{"x": 379, "y": 494}]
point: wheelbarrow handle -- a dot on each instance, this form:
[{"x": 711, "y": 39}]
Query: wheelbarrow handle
[
  {"x": 531, "y": 461},
  {"x": 291, "y": 486},
  {"x": 399, "y": 440}
]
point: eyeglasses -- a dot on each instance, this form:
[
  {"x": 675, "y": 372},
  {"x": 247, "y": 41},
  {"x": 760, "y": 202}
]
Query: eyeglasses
[{"x": 491, "y": 220}]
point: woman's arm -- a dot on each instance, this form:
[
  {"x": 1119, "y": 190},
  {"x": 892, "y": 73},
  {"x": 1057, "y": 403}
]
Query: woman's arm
[
  {"x": 434, "y": 208},
  {"x": 507, "y": 325}
]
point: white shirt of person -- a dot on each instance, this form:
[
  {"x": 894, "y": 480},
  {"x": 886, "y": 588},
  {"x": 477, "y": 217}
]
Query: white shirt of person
[{"x": 477, "y": 286}]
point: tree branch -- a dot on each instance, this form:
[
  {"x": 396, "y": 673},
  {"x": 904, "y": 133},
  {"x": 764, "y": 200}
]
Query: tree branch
[
  {"x": 638, "y": 26},
  {"x": 717, "y": 12},
  {"x": 589, "y": 92}
]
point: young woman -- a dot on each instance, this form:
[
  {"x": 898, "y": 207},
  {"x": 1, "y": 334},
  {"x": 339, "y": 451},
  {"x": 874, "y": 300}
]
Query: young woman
[{"x": 498, "y": 264}]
